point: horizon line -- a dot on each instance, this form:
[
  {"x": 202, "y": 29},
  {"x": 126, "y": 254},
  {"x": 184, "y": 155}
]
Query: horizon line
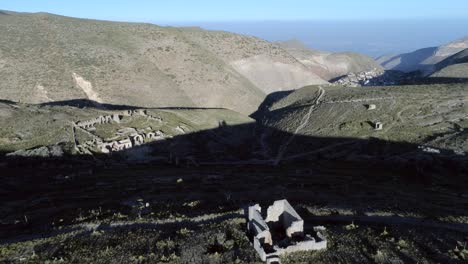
[{"x": 249, "y": 20}]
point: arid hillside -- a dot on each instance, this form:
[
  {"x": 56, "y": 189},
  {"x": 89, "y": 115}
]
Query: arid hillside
[
  {"x": 61, "y": 130},
  {"x": 265, "y": 64},
  {"x": 329, "y": 65},
  {"x": 46, "y": 58},
  {"x": 432, "y": 117}
]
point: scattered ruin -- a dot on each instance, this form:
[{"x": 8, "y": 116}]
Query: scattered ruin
[
  {"x": 429, "y": 150},
  {"x": 371, "y": 107},
  {"x": 133, "y": 137},
  {"x": 134, "y": 140},
  {"x": 281, "y": 232},
  {"x": 378, "y": 126},
  {"x": 88, "y": 124}
]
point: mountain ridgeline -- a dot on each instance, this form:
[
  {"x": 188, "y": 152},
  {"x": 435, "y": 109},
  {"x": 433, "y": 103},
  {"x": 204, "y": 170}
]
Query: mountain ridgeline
[
  {"x": 455, "y": 66},
  {"x": 49, "y": 58},
  {"x": 424, "y": 60},
  {"x": 46, "y": 58}
]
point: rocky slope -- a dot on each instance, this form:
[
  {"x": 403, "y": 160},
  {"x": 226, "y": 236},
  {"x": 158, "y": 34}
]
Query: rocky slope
[
  {"x": 45, "y": 58},
  {"x": 330, "y": 65},
  {"x": 422, "y": 59}
]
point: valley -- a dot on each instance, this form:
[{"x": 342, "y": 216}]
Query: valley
[{"x": 135, "y": 143}]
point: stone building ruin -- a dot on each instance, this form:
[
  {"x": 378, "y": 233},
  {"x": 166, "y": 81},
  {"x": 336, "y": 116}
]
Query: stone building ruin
[
  {"x": 281, "y": 232},
  {"x": 137, "y": 140},
  {"x": 134, "y": 138},
  {"x": 88, "y": 124},
  {"x": 378, "y": 126},
  {"x": 371, "y": 107}
]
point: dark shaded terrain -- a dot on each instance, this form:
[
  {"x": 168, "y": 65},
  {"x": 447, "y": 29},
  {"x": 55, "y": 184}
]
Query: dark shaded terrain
[
  {"x": 381, "y": 200},
  {"x": 85, "y": 208},
  {"x": 410, "y": 61},
  {"x": 86, "y": 103}
]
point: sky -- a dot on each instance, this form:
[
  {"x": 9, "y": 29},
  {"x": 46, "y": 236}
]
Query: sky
[
  {"x": 241, "y": 10},
  {"x": 371, "y": 37},
  {"x": 369, "y": 26}
]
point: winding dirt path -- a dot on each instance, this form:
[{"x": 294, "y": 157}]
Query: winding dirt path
[{"x": 304, "y": 122}]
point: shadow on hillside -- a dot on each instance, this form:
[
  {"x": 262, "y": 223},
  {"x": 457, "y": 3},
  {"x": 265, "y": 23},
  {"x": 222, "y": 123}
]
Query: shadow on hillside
[
  {"x": 269, "y": 100},
  {"x": 408, "y": 61},
  {"x": 86, "y": 103},
  {"x": 3, "y": 101},
  {"x": 226, "y": 167},
  {"x": 414, "y": 79},
  {"x": 440, "y": 80}
]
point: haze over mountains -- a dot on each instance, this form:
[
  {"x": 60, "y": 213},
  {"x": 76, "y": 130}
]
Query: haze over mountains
[{"x": 373, "y": 37}]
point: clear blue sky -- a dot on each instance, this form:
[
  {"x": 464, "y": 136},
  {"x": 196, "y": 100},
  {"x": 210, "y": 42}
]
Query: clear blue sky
[{"x": 241, "y": 10}]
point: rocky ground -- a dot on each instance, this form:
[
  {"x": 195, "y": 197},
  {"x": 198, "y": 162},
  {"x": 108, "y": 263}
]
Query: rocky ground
[{"x": 167, "y": 214}]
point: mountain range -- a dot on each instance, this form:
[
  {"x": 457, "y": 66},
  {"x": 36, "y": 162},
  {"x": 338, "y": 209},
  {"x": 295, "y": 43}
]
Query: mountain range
[
  {"x": 48, "y": 58},
  {"x": 424, "y": 59}
]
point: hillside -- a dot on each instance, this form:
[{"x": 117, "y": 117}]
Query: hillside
[
  {"x": 455, "y": 66},
  {"x": 330, "y": 65},
  {"x": 422, "y": 59},
  {"x": 265, "y": 64},
  {"x": 46, "y": 58},
  {"x": 431, "y": 115},
  {"x": 49, "y": 131}
]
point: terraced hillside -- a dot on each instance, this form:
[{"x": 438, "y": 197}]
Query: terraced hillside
[
  {"x": 45, "y": 58},
  {"x": 433, "y": 116}
]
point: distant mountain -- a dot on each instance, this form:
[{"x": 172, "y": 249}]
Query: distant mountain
[
  {"x": 330, "y": 65},
  {"x": 45, "y": 57},
  {"x": 455, "y": 66},
  {"x": 422, "y": 59}
]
